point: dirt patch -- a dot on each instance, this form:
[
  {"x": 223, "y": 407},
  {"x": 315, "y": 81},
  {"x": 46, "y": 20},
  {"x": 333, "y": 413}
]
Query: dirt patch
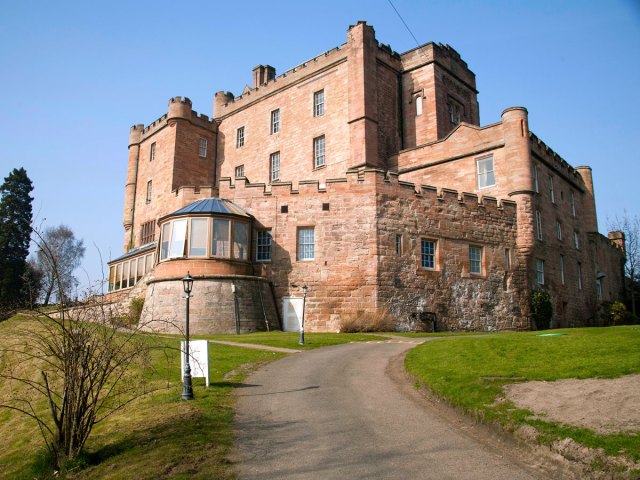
[{"x": 602, "y": 405}]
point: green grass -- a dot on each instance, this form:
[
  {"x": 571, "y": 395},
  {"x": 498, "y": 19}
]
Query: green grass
[
  {"x": 159, "y": 436},
  {"x": 470, "y": 373},
  {"x": 291, "y": 339}
]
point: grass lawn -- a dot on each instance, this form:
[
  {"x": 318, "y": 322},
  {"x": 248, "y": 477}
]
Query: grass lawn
[
  {"x": 290, "y": 339},
  {"x": 159, "y": 436},
  {"x": 470, "y": 373}
]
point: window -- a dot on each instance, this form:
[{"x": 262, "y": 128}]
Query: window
[
  {"x": 507, "y": 259},
  {"x": 140, "y": 268},
  {"x": 125, "y": 275},
  {"x": 263, "y": 246},
  {"x": 579, "y": 276},
  {"x": 240, "y": 171},
  {"x": 274, "y": 166},
  {"x": 428, "y": 254},
  {"x": 551, "y": 195},
  {"x": 573, "y": 205},
  {"x": 599, "y": 289},
  {"x": 220, "y": 240},
  {"x": 475, "y": 260},
  {"x": 559, "y": 230},
  {"x": 147, "y": 232},
  {"x": 398, "y": 244},
  {"x": 203, "y": 148},
  {"x": 178, "y": 237},
  {"x": 306, "y": 243},
  {"x": 536, "y": 186},
  {"x": 240, "y": 240},
  {"x": 576, "y": 240},
  {"x": 240, "y": 137},
  {"x": 418, "y": 100},
  {"x": 486, "y": 177},
  {"x": 149, "y": 189},
  {"x": 275, "y": 121},
  {"x": 540, "y": 271},
  {"x": 454, "y": 113},
  {"x": 198, "y": 237},
  {"x": 152, "y": 152},
  {"x": 318, "y": 103},
  {"x": 562, "y": 269},
  {"x": 164, "y": 247},
  {"x": 318, "y": 152},
  {"x": 538, "y": 225}
]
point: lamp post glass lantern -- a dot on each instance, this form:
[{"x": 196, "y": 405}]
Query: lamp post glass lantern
[
  {"x": 187, "y": 386},
  {"x": 304, "y": 301}
]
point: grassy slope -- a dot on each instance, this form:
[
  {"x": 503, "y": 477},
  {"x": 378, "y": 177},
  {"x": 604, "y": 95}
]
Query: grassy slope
[
  {"x": 470, "y": 373},
  {"x": 291, "y": 339}
]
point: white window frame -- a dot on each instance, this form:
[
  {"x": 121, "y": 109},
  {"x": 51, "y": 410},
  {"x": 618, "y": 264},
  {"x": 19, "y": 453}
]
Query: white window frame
[
  {"x": 264, "y": 245},
  {"x": 239, "y": 171},
  {"x": 178, "y": 237},
  {"x": 562, "y": 269},
  {"x": 488, "y": 175},
  {"x": 319, "y": 151},
  {"x": 275, "y": 121},
  {"x": 475, "y": 259},
  {"x": 306, "y": 243},
  {"x": 428, "y": 253},
  {"x": 318, "y": 103},
  {"x": 538, "y": 225},
  {"x": 540, "y": 271},
  {"x": 202, "y": 148},
  {"x": 274, "y": 167},
  {"x": 240, "y": 137},
  {"x": 551, "y": 193},
  {"x": 418, "y": 100},
  {"x": 149, "y": 192}
]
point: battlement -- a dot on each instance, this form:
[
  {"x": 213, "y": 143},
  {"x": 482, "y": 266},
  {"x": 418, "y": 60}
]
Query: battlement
[
  {"x": 368, "y": 178},
  {"x": 189, "y": 191},
  {"x": 542, "y": 150}
]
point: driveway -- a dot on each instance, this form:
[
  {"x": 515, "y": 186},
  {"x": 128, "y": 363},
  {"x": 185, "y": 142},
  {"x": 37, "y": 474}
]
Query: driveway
[{"x": 337, "y": 413}]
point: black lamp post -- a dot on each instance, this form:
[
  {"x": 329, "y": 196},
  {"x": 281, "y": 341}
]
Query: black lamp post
[
  {"x": 304, "y": 301},
  {"x": 187, "y": 387}
]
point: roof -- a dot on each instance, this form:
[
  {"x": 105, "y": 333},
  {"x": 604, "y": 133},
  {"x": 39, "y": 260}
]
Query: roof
[
  {"x": 136, "y": 251},
  {"x": 211, "y": 206}
]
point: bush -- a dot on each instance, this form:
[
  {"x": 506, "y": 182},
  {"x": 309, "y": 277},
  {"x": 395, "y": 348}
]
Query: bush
[
  {"x": 363, "y": 321},
  {"x": 135, "y": 310},
  {"x": 541, "y": 309},
  {"x": 616, "y": 313}
]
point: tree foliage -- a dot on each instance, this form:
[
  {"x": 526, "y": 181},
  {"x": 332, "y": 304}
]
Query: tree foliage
[
  {"x": 59, "y": 254},
  {"x": 15, "y": 234},
  {"x": 630, "y": 226}
]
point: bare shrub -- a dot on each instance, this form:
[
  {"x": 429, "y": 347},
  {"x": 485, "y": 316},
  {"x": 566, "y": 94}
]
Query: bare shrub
[{"x": 363, "y": 321}]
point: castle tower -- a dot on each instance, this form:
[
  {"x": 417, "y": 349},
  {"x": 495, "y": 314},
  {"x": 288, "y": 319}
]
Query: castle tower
[
  {"x": 590, "y": 220},
  {"x": 135, "y": 136}
]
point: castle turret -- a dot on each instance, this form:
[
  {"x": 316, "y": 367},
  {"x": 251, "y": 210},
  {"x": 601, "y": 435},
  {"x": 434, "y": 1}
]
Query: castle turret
[
  {"x": 179, "y": 107},
  {"x": 589, "y": 219},
  {"x": 135, "y": 137}
]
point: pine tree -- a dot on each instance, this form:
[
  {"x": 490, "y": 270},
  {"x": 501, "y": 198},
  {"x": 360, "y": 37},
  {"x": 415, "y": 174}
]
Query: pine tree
[{"x": 15, "y": 235}]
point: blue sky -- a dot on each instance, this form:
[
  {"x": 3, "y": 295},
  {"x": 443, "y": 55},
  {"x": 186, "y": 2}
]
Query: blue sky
[{"x": 76, "y": 75}]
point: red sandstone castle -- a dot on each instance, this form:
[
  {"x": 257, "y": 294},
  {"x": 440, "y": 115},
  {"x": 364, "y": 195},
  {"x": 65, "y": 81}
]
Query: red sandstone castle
[{"x": 365, "y": 175}]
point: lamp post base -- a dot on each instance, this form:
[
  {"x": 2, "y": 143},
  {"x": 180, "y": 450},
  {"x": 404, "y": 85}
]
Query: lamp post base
[{"x": 187, "y": 388}]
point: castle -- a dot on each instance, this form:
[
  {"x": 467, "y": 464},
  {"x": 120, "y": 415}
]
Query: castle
[{"x": 364, "y": 175}]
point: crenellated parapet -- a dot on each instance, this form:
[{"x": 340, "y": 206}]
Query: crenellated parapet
[{"x": 543, "y": 152}]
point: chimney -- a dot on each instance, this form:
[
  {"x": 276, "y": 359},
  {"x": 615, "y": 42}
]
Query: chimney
[{"x": 263, "y": 74}]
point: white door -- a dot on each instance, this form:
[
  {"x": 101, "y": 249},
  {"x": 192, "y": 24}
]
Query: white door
[{"x": 291, "y": 314}]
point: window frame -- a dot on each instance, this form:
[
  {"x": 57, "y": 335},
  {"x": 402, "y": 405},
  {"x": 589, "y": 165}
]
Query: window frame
[
  {"x": 318, "y": 103},
  {"x": 562, "y": 279},
  {"x": 319, "y": 153},
  {"x": 274, "y": 173},
  {"x": 265, "y": 255},
  {"x": 473, "y": 260},
  {"x": 203, "y": 147},
  {"x": 398, "y": 244},
  {"x": 240, "y": 137},
  {"x": 539, "y": 271},
  {"x": 149, "y": 192},
  {"x": 428, "y": 254},
  {"x": 152, "y": 152},
  {"x": 579, "y": 276},
  {"x": 538, "y": 219},
  {"x": 490, "y": 173},
  {"x": 573, "y": 204},
  {"x": 507, "y": 259},
  {"x": 576, "y": 240},
  {"x": 190, "y": 237},
  {"x": 558, "y": 230},
  {"x": 536, "y": 184},
  {"x": 239, "y": 171},
  {"x": 275, "y": 121},
  {"x": 552, "y": 195},
  {"x": 303, "y": 244}
]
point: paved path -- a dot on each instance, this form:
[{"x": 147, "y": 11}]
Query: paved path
[{"x": 334, "y": 413}]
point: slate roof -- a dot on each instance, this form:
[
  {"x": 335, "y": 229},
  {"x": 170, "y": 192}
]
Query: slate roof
[{"x": 211, "y": 206}]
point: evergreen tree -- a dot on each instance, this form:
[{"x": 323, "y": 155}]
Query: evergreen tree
[{"x": 15, "y": 235}]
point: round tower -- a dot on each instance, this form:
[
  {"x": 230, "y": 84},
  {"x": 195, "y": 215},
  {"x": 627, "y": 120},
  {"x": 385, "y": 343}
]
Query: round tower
[
  {"x": 179, "y": 107},
  {"x": 135, "y": 137},
  {"x": 588, "y": 214}
]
